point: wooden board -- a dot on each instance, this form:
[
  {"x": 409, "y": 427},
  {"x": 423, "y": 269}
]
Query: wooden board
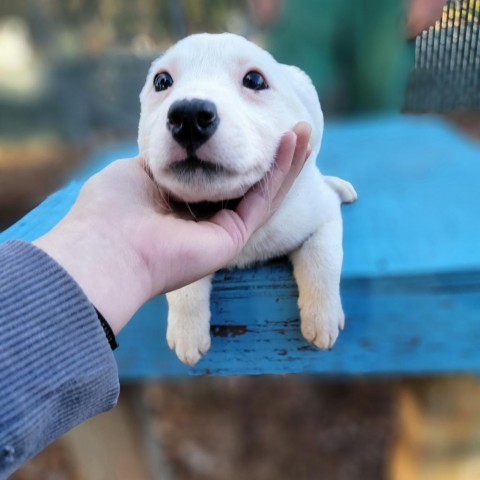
[
  {"x": 411, "y": 278},
  {"x": 437, "y": 430}
]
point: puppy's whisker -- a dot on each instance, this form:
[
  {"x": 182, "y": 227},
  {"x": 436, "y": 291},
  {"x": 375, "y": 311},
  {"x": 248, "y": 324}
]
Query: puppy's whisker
[
  {"x": 264, "y": 184},
  {"x": 168, "y": 201},
  {"x": 157, "y": 193},
  {"x": 163, "y": 199},
  {"x": 190, "y": 210}
]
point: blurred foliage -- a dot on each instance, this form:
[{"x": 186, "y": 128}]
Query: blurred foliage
[
  {"x": 70, "y": 26},
  {"x": 74, "y": 68},
  {"x": 446, "y": 76}
]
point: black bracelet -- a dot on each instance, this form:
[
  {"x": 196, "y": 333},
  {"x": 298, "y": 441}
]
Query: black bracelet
[{"x": 108, "y": 331}]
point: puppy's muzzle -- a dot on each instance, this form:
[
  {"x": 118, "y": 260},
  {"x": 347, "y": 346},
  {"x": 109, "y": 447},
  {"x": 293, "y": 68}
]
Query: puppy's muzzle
[{"x": 192, "y": 122}]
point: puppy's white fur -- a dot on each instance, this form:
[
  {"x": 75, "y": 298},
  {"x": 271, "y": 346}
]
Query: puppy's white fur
[{"x": 307, "y": 225}]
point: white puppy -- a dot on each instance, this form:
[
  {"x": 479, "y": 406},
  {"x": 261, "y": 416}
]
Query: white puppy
[{"x": 214, "y": 108}]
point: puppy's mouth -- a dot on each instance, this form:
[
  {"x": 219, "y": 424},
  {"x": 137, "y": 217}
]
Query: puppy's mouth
[
  {"x": 202, "y": 210},
  {"x": 192, "y": 167},
  {"x": 194, "y": 173}
]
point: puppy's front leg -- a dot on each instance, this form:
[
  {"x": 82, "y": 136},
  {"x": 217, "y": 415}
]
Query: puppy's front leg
[
  {"x": 188, "y": 331},
  {"x": 317, "y": 266}
]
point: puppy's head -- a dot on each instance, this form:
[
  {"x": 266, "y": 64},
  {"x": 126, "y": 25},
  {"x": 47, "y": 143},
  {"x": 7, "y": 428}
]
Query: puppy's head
[{"x": 213, "y": 111}]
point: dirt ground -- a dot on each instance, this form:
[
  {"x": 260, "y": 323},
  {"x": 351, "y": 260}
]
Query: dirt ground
[
  {"x": 252, "y": 428},
  {"x": 262, "y": 428}
]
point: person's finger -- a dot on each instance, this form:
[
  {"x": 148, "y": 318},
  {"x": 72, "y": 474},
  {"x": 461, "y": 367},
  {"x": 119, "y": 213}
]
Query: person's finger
[
  {"x": 264, "y": 198},
  {"x": 302, "y": 152},
  {"x": 422, "y": 14}
]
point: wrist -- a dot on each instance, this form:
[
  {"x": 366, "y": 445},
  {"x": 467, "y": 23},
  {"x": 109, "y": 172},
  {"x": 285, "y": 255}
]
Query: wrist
[{"x": 105, "y": 266}]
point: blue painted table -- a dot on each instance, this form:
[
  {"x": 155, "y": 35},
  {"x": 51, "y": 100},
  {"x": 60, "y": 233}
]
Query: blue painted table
[{"x": 411, "y": 277}]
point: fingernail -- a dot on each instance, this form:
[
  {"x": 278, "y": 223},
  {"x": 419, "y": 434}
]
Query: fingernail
[{"x": 293, "y": 135}]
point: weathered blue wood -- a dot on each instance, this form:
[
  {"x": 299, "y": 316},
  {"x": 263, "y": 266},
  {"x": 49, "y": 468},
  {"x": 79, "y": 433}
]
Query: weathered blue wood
[
  {"x": 411, "y": 278},
  {"x": 395, "y": 325},
  {"x": 417, "y": 180}
]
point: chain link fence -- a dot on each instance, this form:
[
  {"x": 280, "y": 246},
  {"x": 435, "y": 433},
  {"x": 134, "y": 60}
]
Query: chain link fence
[{"x": 446, "y": 75}]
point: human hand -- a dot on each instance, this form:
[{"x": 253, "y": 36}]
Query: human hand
[
  {"x": 265, "y": 12},
  {"x": 122, "y": 250},
  {"x": 422, "y": 14}
]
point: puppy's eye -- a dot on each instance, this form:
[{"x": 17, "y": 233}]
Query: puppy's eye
[
  {"x": 254, "y": 81},
  {"x": 162, "y": 81}
]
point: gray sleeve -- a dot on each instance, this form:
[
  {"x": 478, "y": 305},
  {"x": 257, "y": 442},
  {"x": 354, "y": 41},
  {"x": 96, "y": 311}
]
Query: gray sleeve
[{"x": 56, "y": 366}]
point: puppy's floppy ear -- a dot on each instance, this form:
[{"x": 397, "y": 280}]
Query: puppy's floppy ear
[{"x": 306, "y": 93}]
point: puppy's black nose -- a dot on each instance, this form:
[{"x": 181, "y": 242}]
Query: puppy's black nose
[{"x": 192, "y": 122}]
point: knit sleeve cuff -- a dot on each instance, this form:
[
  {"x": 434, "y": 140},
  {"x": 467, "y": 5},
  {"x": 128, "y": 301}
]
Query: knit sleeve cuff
[{"x": 56, "y": 366}]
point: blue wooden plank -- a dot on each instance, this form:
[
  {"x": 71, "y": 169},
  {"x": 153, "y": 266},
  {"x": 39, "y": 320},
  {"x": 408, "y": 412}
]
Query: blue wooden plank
[
  {"x": 411, "y": 274},
  {"x": 396, "y": 325},
  {"x": 417, "y": 181}
]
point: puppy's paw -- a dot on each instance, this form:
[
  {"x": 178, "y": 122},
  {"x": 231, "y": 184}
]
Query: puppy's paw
[
  {"x": 190, "y": 340},
  {"x": 344, "y": 189},
  {"x": 320, "y": 323}
]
